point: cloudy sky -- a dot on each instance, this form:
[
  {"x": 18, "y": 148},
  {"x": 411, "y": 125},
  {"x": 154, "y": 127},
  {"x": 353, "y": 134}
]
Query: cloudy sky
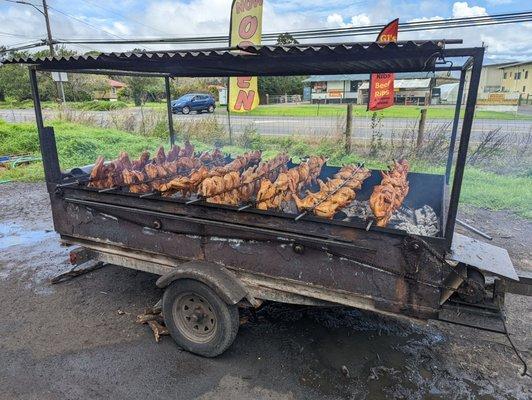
[{"x": 157, "y": 18}]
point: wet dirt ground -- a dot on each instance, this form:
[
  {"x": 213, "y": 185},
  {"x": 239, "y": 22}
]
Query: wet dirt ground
[{"x": 78, "y": 340}]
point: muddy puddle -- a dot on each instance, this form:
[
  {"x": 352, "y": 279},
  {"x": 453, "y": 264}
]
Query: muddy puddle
[
  {"x": 351, "y": 354},
  {"x": 43, "y": 256}
]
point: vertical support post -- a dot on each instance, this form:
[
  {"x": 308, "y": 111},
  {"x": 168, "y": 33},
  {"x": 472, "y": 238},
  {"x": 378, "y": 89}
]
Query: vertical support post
[
  {"x": 421, "y": 127},
  {"x": 50, "y": 160},
  {"x": 36, "y": 99},
  {"x": 348, "y": 128},
  {"x": 454, "y": 130},
  {"x": 169, "y": 110},
  {"x": 464, "y": 144},
  {"x": 229, "y": 125}
]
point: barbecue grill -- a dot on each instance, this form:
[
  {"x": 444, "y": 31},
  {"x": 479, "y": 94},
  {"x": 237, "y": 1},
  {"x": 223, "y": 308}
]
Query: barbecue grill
[{"x": 224, "y": 256}]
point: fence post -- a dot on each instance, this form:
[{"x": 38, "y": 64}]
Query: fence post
[
  {"x": 421, "y": 128},
  {"x": 348, "y": 128}
]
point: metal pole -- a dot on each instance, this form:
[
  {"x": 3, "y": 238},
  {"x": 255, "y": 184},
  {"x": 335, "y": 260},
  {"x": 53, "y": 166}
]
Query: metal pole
[
  {"x": 456, "y": 120},
  {"x": 58, "y": 85},
  {"x": 464, "y": 144},
  {"x": 50, "y": 160},
  {"x": 36, "y": 99},
  {"x": 421, "y": 128},
  {"x": 348, "y": 128},
  {"x": 169, "y": 110}
]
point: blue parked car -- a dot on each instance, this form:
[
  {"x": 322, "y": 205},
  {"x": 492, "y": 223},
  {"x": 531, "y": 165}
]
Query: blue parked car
[{"x": 194, "y": 102}]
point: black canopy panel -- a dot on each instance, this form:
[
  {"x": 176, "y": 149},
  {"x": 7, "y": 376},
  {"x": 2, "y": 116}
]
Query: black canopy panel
[{"x": 259, "y": 60}]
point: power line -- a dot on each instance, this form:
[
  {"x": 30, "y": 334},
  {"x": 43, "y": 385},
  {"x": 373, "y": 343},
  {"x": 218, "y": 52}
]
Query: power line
[
  {"x": 465, "y": 22},
  {"x": 124, "y": 17},
  {"x": 85, "y": 22},
  {"x": 335, "y": 32}
]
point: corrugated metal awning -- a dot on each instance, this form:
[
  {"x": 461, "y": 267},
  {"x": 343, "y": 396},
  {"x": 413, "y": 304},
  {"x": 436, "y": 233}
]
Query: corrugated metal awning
[
  {"x": 258, "y": 60},
  {"x": 364, "y": 77},
  {"x": 405, "y": 84}
]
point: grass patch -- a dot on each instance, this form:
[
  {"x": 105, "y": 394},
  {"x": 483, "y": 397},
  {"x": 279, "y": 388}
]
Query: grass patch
[
  {"x": 334, "y": 110},
  {"x": 98, "y": 105},
  {"x": 80, "y": 145},
  {"x": 25, "y": 104}
]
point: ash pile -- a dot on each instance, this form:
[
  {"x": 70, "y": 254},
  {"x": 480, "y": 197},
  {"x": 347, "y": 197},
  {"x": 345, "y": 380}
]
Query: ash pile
[{"x": 422, "y": 221}]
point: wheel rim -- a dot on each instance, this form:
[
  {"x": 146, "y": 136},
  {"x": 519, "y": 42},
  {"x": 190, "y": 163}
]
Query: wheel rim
[
  {"x": 186, "y": 110},
  {"x": 194, "y": 317},
  {"x": 211, "y": 109}
]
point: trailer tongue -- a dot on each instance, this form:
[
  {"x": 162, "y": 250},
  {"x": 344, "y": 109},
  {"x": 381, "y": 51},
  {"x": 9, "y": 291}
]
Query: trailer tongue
[{"x": 214, "y": 257}]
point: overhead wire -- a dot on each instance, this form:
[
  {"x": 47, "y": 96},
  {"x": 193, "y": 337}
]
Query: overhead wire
[
  {"x": 109, "y": 10},
  {"x": 337, "y": 32},
  {"x": 415, "y": 26}
]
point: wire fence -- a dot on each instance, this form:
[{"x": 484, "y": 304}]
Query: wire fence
[{"x": 313, "y": 123}]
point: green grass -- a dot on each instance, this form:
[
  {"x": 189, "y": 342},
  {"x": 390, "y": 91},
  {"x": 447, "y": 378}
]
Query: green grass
[
  {"x": 300, "y": 110},
  {"x": 80, "y": 145},
  {"x": 334, "y": 110},
  {"x": 25, "y": 104}
]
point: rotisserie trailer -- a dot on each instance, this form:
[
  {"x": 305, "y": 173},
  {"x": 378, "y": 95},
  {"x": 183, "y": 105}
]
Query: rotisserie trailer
[{"x": 214, "y": 258}]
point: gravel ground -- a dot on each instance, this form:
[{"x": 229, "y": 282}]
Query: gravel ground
[{"x": 78, "y": 340}]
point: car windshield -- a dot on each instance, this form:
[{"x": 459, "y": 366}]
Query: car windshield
[{"x": 186, "y": 97}]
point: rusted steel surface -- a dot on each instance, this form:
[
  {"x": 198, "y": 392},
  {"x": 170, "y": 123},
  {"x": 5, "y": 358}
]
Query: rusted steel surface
[{"x": 378, "y": 265}]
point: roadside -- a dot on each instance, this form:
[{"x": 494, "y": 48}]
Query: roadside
[
  {"x": 70, "y": 341},
  {"x": 285, "y": 110}
]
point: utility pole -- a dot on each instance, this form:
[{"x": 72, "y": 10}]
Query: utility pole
[
  {"x": 59, "y": 85},
  {"x": 44, "y": 12}
]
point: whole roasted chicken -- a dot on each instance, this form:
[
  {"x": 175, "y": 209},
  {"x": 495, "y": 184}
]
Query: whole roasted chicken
[{"x": 390, "y": 194}]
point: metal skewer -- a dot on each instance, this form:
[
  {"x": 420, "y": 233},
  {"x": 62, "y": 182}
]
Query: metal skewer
[
  {"x": 107, "y": 189},
  {"x": 62, "y": 185},
  {"x": 194, "y": 201},
  {"x": 330, "y": 194}
]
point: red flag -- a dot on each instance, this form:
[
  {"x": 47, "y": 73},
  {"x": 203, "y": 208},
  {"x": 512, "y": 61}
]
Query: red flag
[{"x": 381, "y": 91}]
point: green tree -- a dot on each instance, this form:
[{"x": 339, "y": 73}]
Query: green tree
[{"x": 279, "y": 85}]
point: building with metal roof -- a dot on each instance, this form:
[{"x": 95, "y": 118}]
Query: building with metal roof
[{"x": 410, "y": 87}]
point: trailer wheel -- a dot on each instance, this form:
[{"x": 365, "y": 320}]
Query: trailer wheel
[{"x": 198, "y": 320}]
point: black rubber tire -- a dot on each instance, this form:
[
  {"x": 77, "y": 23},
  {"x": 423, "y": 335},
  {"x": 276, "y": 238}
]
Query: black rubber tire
[
  {"x": 210, "y": 109},
  {"x": 186, "y": 110},
  {"x": 227, "y": 318}
]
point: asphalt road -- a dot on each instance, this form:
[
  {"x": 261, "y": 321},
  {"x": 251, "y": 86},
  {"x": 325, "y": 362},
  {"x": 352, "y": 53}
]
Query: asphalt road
[
  {"x": 79, "y": 339},
  {"x": 309, "y": 126}
]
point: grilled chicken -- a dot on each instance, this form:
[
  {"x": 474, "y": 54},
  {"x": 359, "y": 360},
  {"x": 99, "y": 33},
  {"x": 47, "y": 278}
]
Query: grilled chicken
[
  {"x": 334, "y": 194},
  {"x": 390, "y": 194}
]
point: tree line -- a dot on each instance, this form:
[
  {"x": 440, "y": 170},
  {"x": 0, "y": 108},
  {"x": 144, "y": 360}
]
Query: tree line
[{"x": 15, "y": 85}]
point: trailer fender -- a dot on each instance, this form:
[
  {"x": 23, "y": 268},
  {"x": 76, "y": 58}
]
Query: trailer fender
[{"x": 221, "y": 280}]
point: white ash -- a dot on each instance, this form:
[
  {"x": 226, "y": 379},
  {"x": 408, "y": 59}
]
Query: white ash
[
  {"x": 289, "y": 207},
  {"x": 358, "y": 209},
  {"x": 422, "y": 221}
]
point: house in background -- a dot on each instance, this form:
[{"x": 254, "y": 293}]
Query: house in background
[
  {"x": 410, "y": 87},
  {"x": 517, "y": 77},
  {"x": 491, "y": 77},
  {"x": 111, "y": 93}
]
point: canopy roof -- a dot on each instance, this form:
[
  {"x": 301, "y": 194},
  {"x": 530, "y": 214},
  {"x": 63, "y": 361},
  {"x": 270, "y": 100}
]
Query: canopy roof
[{"x": 258, "y": 60}]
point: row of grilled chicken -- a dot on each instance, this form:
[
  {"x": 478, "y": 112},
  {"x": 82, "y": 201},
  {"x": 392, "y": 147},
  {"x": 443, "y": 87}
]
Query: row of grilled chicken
[{"x": 245, "y": 179}]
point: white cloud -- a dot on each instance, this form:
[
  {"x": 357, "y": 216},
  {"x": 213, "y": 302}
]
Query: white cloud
[
  {"x": 336, "y": 20},
  {"x": 423, "y": 19},
  {"x": 211, "y": 17},
  {"x": 462, "y": 10}
]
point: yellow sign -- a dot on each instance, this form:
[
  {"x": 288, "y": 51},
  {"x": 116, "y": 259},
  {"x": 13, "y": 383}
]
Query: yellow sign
[{"x": 246, "y": 30}]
